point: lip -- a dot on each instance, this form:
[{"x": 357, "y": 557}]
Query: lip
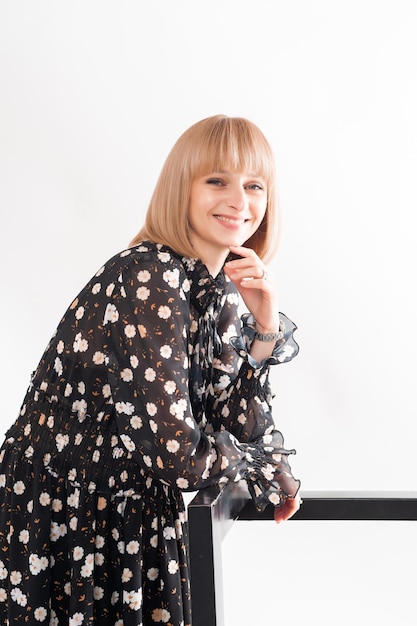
[{"x": 230, "y": 221}]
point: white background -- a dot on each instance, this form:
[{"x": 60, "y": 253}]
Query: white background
[{"x": 92, "y": 96}]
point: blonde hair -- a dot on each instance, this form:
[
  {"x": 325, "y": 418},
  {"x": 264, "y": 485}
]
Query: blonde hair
[{"x": 212, "y": 144}]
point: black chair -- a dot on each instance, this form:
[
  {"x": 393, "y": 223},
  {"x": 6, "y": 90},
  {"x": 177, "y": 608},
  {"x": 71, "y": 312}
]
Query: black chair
[{"x": 213, "y": 511}]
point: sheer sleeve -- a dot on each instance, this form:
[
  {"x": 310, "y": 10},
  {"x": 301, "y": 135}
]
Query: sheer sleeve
[
  {"x": 145, "y": 326},
  {"x": 243, "y": 404}
]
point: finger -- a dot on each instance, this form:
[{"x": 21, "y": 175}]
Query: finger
[{"x": 246, "y": 269}]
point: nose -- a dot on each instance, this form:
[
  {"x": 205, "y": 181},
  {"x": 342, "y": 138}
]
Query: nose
[{"x": 237, "y": 197}]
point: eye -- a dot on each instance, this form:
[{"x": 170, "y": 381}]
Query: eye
[
  {"x": 215, "y": 181},
  {"x": 255, "y": 186}
]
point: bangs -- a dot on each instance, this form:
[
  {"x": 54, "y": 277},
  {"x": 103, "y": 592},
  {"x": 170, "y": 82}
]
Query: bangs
[{"x": 233, "y": 144}]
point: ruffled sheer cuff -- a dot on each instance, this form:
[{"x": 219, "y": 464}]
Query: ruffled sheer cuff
[
  {"x": 268, "y": 473},
  {"x": 285, "y": 347}
]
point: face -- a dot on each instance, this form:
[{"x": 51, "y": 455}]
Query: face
[{"x": 225, "y": 209}]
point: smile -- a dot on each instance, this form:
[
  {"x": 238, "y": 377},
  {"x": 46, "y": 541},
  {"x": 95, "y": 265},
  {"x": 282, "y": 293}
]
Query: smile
[{"x": 230, "y": 220}]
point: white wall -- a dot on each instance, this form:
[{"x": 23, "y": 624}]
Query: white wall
[{"x": 92, "y": 96}]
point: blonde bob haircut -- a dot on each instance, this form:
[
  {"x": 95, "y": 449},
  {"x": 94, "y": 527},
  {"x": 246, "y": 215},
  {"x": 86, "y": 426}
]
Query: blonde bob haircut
[{"x": 212, "y": 144}]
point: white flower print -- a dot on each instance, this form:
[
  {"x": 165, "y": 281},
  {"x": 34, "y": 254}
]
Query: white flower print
[
  {"x": 73, "y": 523},
  {"x": 130, "y": 331},
  {"x": 61, "y": 441},
  {"x": 178, "y": 408},
  {"x": 19, "y": 488},
  {"x": 161, "y": 615},
  {"x": 3, "y": 571},
  {"x": 54, "y": 532},
  {"x": 127, "y": 574},
  {"x": 223, "y": 382},
  {"x": 106, "y": 391},
  {"x": 120, "y": 544},
  {"x": 164, "y": 257},
  {"x": 96, "y": 288},
  {"x": 233, "y": 298},
  {"x": 15, "y": 577},
  {"x": 126, "y": 375},
  {"x": 142, "y": 293},
  {"x": 79, "y": 313},
  {"x": 229, "y": 333},
  {"x": 182, "y": 483},
  {"x": 129, "y": 444},
  {"x": 68, "y": 390},
  {"x": 173, "y": 566},
  {"x": 80, "y": 407},
  {"x": 225, "y": 463},
  {"x": 241, "y": 418},
  {"x": 186, "y": 285},
  {"x": 172, "y": 278},
  {"x": 143, "y": 276},
  {"x": 40, "y": 614},
  {"x": 285, "y": 352},
  {"x": 58, "y": 366},
  {"x": 133, "y": 547},
  {"x": 2, "y": 480},
  {"x": 150, "y": 374},
  {"x": 274, "y": 498},
  {"x": 80, "y": 344},
  {"x": 109, "y": 290},
  {"x": 78, "y": 553},
  {"x": 170, "y": 386},
  {"x": 125, "y": 407},
  {"x": 172, "y": 445},
  {"x": 136, "y": 422},
  {"x": 151, "y": 408},
  {"x": 111, "y": 314},
  {"x": 37, "y": 564},
  {"x": 154, "y": 541},
  {"x": 18, "y": 596},
  {"x": 134, "y": 361},
  {"x": 74, "y": 499},
  {"x": 147, "y": 460},
  {"x": 24, "y": 536},
  {"x": 268, "y": 471},
  {"x": 76, "y": 620},
  {"x": 153, "y": 426},
  {"x": 99, "y": 558},
  {"x": 87, "y": 568},
  {"x": 99, "y": 358},
  {"x": 164, "y": 312},
  {"x": 60, "y": 347},
  {"x": 169, "y": 532},
  {"x": 134, "y": 599},
  {"x": 165, "y": 351},
  {"x": 153, "y": 573},
  {"x": 3, "y": 595},
  {"x": 44, "y": 498},
  {"x": 98, "y": 593},
  {"x": 96, "y": 456}
]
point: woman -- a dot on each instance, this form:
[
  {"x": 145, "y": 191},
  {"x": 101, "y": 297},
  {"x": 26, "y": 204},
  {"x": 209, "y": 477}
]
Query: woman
[{"x": 150, "y": 386}]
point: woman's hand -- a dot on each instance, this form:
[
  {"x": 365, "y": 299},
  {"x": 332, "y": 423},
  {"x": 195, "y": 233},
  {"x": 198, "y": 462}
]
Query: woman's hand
[
  {"x": 287, "y": 510},
  {"x": 258, "y": 291}
]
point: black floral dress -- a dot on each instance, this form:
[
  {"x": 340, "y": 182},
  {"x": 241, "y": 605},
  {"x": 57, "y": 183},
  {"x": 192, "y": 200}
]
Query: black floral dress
[{"x": 146, "y": 389}]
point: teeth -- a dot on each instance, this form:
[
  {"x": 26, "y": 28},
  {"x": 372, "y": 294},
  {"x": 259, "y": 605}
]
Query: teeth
[{"x": 230, "y": 220}]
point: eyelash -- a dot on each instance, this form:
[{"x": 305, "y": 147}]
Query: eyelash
[{"x": 219, "y": 181}]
